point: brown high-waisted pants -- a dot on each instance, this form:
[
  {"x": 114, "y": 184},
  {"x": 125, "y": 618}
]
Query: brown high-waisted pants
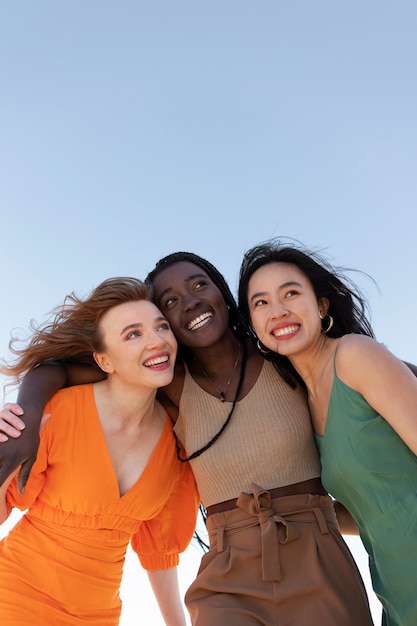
[{"x": 280, "y": 562}]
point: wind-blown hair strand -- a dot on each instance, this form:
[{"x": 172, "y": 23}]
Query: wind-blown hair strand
[{"x": 72, "y": 331}]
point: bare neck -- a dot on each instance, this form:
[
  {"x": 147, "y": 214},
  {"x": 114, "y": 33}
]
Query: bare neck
[
  {"x": 312, "y": 365},
  {"x": 218, "y": 358},
  {"x": 123, "y": 404}
]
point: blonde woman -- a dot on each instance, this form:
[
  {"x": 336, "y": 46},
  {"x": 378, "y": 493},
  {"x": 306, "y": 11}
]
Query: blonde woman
[{"x": 106, "y": 472}]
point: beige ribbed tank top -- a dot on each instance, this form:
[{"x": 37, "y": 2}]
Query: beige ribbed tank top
[{"x": 269, "y": 440}]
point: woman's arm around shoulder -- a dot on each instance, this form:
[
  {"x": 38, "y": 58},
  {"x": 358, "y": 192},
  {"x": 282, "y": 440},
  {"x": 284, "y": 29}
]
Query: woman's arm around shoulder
[
  {"x": 347, "y": 524},
  {"x": 387, "y": 384},
  {"x": 19, "y": 447},
  {"x": 5, "y": 509}
]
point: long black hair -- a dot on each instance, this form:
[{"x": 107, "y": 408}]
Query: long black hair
[
  {"x": 347, "y": 306},
  {"x": 236, "y": 323}
]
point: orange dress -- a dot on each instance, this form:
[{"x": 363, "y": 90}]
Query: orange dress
[{"x": 61, "y": 564}]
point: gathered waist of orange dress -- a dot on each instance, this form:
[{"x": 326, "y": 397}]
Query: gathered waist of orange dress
[{"x": 76, "y": 567}]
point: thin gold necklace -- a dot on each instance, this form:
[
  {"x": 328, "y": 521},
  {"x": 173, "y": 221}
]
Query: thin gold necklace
[
  {"x": 228, "y": 418},
  {"x": 222, "y": 394}
]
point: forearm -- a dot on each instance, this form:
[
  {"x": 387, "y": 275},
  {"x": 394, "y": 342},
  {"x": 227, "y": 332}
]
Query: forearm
[
  {"x": 5, "y": 509},
  {"x": 41, "y": 383},
  {"x": 20, "y": 437},
  {"x": 38, "y": 386},
  {"x": 164, "y": 584},
  {"x": 347, "y": 524},
  {"x": 36, "y": 389}
]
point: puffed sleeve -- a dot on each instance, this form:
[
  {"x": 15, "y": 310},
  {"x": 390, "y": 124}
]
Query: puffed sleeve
[{"x": 159, "y": 541}]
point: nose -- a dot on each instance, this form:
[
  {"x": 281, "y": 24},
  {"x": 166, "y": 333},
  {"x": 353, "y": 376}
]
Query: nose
[
  {"x": 155, "y": 339},
  {"x": 278, "y": 309},
  {"x": 191, "y": 302}
]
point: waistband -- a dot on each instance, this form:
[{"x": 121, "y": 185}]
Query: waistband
[
  {"x": 278, "y": 520},
  {"x": 312, "y": 486}
]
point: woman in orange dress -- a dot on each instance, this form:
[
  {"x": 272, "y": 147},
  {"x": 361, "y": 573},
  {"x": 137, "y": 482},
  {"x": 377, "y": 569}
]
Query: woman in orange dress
[{"x": 106, "y": 472}]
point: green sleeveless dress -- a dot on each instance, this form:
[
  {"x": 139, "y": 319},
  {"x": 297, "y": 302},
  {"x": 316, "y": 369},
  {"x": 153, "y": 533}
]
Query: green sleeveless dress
[{"x": 367, "y": 467}]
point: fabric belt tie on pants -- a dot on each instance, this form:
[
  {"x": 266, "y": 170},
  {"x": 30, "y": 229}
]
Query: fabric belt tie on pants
[{"x": 275, "y": 529}]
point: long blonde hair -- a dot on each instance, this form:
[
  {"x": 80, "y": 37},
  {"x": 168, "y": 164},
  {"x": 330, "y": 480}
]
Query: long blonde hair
[{"x": 72, "y": 330}]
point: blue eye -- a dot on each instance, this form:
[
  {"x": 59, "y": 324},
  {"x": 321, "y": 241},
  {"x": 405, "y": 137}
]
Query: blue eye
[{"x": 164, "y": 326}]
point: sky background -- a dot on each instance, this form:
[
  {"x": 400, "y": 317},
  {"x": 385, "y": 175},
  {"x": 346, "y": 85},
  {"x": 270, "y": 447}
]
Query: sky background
[{"x": 132, "y": 129}]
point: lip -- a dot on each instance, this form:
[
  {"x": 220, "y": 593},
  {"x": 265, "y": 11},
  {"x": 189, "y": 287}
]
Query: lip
[
  {"x": 158, "y": 362},
  {"x": 200, "y": 321},
  {"x": 285, "y": 331}
]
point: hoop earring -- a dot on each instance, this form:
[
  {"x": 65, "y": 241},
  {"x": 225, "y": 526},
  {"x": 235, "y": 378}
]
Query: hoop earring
[
  {"x": 261, "y": 348},
  {"x": 330, "y": 325}
]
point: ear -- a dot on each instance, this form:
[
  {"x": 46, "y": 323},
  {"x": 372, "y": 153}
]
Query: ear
[
  {"x": 103, "y": 362},
  {"x": 324, "y": 304}
]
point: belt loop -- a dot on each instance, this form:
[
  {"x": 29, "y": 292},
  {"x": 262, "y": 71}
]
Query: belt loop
[
  {"x": 220, "y": 539},
  {"x": 321, "y": 520}
]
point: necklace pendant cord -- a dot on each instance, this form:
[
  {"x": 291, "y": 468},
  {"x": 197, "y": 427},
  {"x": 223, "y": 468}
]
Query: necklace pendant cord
[
  {"x": 222, "y": 394},
  {"x": 218, "y": 434}
]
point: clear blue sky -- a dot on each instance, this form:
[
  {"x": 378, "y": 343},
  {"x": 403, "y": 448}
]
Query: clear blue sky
[{"x": 132, "y": 129}]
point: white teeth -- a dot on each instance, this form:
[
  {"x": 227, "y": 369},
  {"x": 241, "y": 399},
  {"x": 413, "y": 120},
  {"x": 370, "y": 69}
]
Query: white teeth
[
  {"x": 199, "y": 321},
  {"x": 280, "y": 332},
  {"x": 158, "y": 361}
]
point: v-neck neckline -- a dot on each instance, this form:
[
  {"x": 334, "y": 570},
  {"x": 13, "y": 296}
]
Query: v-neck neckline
[{"x": 104, "y": 445}]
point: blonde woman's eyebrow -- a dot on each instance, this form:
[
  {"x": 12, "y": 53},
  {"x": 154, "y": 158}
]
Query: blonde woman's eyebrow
[
  {"x": 130, "y": 326},
  {"x": 159, "y": 318}
]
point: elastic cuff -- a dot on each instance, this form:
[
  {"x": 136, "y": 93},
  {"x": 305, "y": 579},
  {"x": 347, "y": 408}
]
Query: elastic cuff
[{"x": 159, "y": 561}]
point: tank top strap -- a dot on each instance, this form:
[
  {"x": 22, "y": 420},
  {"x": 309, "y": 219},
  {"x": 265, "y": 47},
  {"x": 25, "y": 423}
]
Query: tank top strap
[{"x": 334, "y": 361}]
